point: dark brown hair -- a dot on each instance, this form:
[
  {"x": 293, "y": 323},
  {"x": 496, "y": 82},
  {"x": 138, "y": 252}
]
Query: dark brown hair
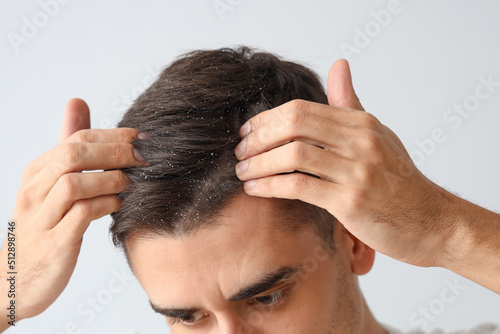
[{"x": 191, "y": 115}]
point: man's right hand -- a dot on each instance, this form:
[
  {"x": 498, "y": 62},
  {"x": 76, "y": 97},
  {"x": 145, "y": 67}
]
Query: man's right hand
[{"x": 56, "y": 203}]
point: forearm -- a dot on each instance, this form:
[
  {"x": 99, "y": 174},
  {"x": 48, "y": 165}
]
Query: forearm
[{"x": 472, "y": 246}]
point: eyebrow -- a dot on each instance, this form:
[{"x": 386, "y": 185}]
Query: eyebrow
[{"x": 265, "y": 283}]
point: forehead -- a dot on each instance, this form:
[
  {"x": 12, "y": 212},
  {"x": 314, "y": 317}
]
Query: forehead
[{"x": 245, "y": 243}]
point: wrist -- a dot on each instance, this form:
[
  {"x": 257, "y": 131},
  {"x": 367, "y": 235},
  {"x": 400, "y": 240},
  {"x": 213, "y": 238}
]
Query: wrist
[
  {"x": 470, "y": 247},
  {"x": 458, "y": 240}
]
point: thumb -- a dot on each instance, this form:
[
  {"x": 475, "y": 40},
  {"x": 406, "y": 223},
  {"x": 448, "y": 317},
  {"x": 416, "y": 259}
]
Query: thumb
[
  {"x": 76, "y": 117},
  {"x": 340, "y": 90}
]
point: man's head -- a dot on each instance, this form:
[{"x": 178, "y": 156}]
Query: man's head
[{"x": 204, "y": 250}]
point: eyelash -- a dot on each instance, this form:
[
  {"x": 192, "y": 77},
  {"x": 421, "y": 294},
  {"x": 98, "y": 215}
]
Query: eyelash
[
  {"x": 173, "y": 320},
  {"x": 280, "y": 299},
  {"x": 176, "y": 320}
]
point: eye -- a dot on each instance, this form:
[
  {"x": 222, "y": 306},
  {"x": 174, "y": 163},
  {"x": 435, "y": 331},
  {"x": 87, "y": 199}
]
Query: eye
[
  {"x": 269, "y": 300},
  {"x": 189, "y": 319}
]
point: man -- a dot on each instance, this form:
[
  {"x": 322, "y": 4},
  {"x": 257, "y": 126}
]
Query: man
[{"x": 325, "y": 184}]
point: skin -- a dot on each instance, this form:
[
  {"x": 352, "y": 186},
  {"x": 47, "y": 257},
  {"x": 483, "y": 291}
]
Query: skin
[
  {"x": 367, "y": 181},
  {"x": 214, "y": 264},
  {"x": 56, "y": 203}
]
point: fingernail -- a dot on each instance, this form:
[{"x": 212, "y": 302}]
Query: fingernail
[
  {"x": 139, "y": 156},
  {"x": 241, "y": 167},
  {"x": 245, "y": 129},
  {"x": 240, "y": 148},
  {"x": 249, "y": 184},
  {"x": 142, "y": 135}
]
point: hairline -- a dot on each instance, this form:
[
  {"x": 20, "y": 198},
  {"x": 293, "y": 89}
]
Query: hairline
[{"x": 285, "y": 223}]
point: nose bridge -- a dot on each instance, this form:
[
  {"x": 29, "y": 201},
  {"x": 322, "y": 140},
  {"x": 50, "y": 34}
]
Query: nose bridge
[{"x": 234, "y": 323}]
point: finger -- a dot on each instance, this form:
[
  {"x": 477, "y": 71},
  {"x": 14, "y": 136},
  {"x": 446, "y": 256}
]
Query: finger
[
  {"x": 277, "y": 116},
  {"x": 340, "y": 89},
  {"x": 299, "y": 186},
  {"x": 77, "y": 157},
  {"x": 291, "y": 124},
  {"x": 297, "y": 156},
  {"x": 77, "y": 186},
  {"x": 82, "y": 212},
  {"x": 120, "y": 135},
  {"x": 76, "y": 117}
]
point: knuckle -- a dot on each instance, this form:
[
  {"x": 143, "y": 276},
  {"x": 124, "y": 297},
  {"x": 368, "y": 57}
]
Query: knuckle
[
  {"x": 297, "y": 183},
  {"x": 82, "y": 208},
  {"x": 298, "y": 152},
  {"x": 72, "y": 153},
  {"x": 253, "y": 140},
  {"x": 275, "y": 126},
  {"x": 365, "y": 173},
  {"x": 371, "y": 142},
  {"x": 294, "y": 118},
  {"x": 256, "y": 121},
  {"x": 24, "y": 197},
  {"x": 28, "y": 171},
  {"x": 266, "y": 182},
  {"x": 85, "y": 135},
  {"x": 368, "y": 120},
  {"x": 298, "y": 104},
  {"x": 58, "y": 168},
  {"x": 70, "y": 185}
]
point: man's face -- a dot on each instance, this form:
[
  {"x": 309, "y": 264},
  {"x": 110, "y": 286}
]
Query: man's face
[{"x": 246, "y": 275}]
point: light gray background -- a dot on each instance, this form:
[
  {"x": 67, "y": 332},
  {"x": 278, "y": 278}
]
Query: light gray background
[{"x": 430, "y": 56}]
